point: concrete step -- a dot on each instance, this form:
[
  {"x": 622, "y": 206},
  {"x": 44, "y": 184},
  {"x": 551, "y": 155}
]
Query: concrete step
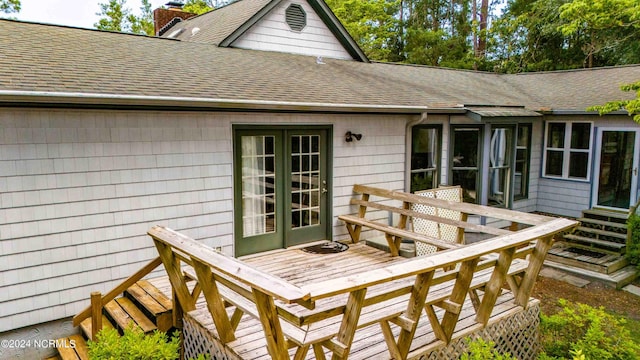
[{"x": 618, "y": 279}]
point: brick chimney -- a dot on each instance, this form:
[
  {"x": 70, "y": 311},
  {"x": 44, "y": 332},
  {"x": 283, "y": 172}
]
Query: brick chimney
[{"x": 162, "y": 17}]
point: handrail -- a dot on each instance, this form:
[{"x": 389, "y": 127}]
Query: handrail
[{"x": 127, "y": 283}]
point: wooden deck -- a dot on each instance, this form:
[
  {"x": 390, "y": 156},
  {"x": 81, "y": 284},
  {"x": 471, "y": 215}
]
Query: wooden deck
[{"x": 300, "y": 268}]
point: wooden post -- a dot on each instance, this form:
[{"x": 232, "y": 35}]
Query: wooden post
[
  {"x": 96, "y": 314},
  {"x": 536, "y": 261},
  {"x": 350, "y": 322},
  {"x": 215, "y": 304},
  {"x": 276, "y": 343},
  {"x": 494, "y": 286},
  {"x": 414, "y": 309},
  {"x": 458, "y": 294}
]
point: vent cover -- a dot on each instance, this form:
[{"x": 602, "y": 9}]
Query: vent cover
[{"x": 296, "y": 17}]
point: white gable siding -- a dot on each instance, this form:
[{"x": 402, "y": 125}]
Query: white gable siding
[
  {"x": 80, "y": 189},
  {"x": 272, "y": 33}
]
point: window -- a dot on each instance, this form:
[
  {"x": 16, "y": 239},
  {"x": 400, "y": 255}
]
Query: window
[
  {"x": 296, "y": 17},
  {"x": 465, "y": 161},
  {"x": 425, "y": 157},
  {"x": 521, "y": 177},
  {"x": 568, "y": 150}
]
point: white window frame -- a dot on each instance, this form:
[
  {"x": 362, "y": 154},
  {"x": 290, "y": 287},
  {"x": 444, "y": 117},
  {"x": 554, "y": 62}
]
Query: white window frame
[{"x": 567, "y": 150}]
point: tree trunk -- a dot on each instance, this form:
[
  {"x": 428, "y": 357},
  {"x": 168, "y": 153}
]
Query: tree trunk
[{"x": 482, "y": 39}]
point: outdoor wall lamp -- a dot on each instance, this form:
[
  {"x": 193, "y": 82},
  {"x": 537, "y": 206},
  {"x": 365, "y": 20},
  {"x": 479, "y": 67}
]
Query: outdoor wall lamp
[{"x": 349, "y": 136}]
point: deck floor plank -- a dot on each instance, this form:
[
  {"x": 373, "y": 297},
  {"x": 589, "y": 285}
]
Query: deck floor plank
[{"x": 299, "y": 268}]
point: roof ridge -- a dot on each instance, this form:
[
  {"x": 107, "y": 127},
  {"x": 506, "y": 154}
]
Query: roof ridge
[
  {"x": 70, "y": 27},
  {"x": 608, "y": 67}
]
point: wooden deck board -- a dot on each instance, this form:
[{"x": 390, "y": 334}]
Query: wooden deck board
[{"x": 300, "y": 268}]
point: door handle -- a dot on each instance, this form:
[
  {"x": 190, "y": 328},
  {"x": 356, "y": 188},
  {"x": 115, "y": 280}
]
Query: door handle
[{"x": 635, "y": 171}]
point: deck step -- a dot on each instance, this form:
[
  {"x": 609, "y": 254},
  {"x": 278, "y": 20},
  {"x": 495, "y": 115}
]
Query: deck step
[
  {"x": 85, "y": 326},
  {"x": 122, "y": 311},
  {"x": 574, "y": 255},
  {"x": 154, "y": 304},
  {"x": 604, "y": 225},
  {"x": 73, "y": 347},
  {"x": 601, "y": 234},
  {"x": 606, "y": 215},
  {"x": 596, "y": 244}
]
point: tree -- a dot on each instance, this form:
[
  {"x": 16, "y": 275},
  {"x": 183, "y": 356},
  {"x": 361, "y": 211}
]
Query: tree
[
  {"x": 115, "y": 16},
  {"x": 610, "y": 28},
  {"x": 198, "y": 6},
  {"x": 9, "y": 6},
  {"x": 631, "y": 106},
  {"x": 372, "y": 24},
  {"x": 142, "y": 24}
]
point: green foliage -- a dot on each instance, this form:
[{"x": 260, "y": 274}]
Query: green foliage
[
  {"x": 609, "y": 28},
  {"x": 372, "y": 24},
  {"x": 631, "y": 106},
  {"x": 481, "y": 350},
  {"x": 580, "y": 330},
  {"x": 134, "y": 345},
  {"x": 197, "y": 6},
  {"x": 113, "y": 16},
  {"x": 9, "y": 6},
  {"x": 633, "y": 244},
  {"x": 142, "y": 24}
]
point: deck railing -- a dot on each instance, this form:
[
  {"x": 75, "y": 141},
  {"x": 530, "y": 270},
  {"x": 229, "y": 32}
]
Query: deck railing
[{"x": 98, "y": 301}]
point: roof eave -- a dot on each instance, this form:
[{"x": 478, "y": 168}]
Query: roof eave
[{"x": 16, "y": 98}]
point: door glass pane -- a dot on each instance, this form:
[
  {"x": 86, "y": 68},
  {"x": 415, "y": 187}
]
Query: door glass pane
[
  {"x": 465, "y": 147},
  {"x": 258, "y": 185},
  {"x": 468, "y": 180},
  {"x": 465, "y": 161},
  {"x": 305, "y": 180},
  {"x": 616, "y": 167},
  {"x": 501, "y": 147},
  {"x": 521, "y": 176},
  {"x": 424, "y": 158}
]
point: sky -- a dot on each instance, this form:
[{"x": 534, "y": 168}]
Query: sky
[{"x": 78, "y": 13}]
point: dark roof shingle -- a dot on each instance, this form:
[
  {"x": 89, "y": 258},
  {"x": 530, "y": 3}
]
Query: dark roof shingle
[{"x": 46, "y": 58}]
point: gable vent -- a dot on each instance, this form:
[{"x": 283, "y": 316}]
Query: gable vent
[{"x": 296, "y": 17}]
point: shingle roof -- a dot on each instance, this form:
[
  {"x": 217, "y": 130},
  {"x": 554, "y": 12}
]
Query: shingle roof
[
  {"x": 217, "y": 25},
  {"x": 46, "y": 58}
]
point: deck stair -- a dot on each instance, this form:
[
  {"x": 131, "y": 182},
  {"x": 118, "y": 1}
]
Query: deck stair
[
  {"x": 596, "y": 248},
  {"x": 142, "y": 303}
]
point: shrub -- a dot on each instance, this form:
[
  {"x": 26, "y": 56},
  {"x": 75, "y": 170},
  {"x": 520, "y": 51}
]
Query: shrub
[
  {"x": 481, "y": 350},
  {"x": 134, "y": 345},
  {"x": 633, "y": 244},
  {"x": 581, "y": 331}
]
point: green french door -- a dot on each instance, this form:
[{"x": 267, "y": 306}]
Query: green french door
[{"x": 281, "y": 188}]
